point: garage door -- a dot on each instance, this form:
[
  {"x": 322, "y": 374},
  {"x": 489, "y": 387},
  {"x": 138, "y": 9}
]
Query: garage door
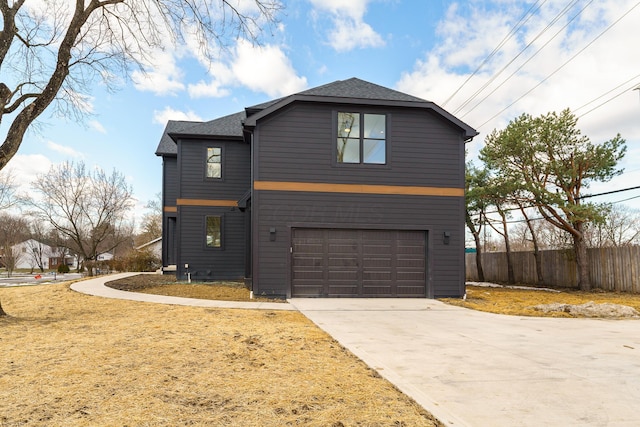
[{"x": 358, "y": 263}]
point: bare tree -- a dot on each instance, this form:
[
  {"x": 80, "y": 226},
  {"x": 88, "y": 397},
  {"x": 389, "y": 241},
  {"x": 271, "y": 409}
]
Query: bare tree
[
  {"x": 151, "y": 227},
  {"x": 90, "y": 209},
  {"x": 13, "y": 230},
  {"x": 52, "y": 52},
  {"x": 7, "y": 190},
  {"x": 39, "y": 249},
  {"x": 621, "y": 227}
]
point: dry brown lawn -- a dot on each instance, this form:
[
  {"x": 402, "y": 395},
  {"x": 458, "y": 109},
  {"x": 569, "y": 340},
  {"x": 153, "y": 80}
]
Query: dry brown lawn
[
  {"x": 69, "y": 359},
  {"x": 519, "y": 302}
]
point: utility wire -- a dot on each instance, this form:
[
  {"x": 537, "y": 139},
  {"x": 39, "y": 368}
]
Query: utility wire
[
  {"x": 496, "y": 75},
  {"x": 608, "y": 192},
  {"x": 561, "y": 66},
  {"x": 563, "y": 12},
  {"x": 605, "y": 94},
  {"x": 608, "y": 100},
  {"x": 523, "y": 20}
]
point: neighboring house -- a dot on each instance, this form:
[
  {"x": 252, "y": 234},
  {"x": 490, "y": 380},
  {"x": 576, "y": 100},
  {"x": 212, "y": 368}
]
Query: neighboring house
[
  {"x": 105, "y": 256},
  {"x": 345, "y": 190},
  {"x": 154, "y": 246},
  {"x": 32, "y": 254}
]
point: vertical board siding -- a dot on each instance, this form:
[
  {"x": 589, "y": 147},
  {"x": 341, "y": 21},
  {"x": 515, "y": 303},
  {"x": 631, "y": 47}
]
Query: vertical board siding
[{"x": 611, "y": 269}]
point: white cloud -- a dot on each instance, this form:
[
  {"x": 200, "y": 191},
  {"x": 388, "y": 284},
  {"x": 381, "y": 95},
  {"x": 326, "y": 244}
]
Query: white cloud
[
  {"x": 25, "y": 169},
  {"x": 266, "y": 69},
  {"x": 65, "y": 150},
  {"x": 536, "y": 84},
  {"x": 162, "y": 78},
  {"x": 349, "y": 29},
  {"x": 163, "y": 116},
  {"x": 469, "y": 33},
  {"x": 260, "y": 68},
  {"x": 97, "y": 126}
]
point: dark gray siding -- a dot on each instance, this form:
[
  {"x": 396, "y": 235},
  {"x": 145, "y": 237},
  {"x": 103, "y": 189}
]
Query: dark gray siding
[
  {"x": 225, "y": 263},
  {"x": 169, "y": 181},
  {"x": 297, "y": 145},
  {"x": 169, "y": 196},
  {"x": 228, "y": 262},
  {"x": 434, "y": 215},
  {"x": 236, "y": 170},
  {"x": 423, "y": 149}
]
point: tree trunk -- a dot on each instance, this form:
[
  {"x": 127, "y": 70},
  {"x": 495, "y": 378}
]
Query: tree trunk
[
  {"x": 479, "y": 258},
  {"x": 580, "y": 247},
  {"x": 505, "y": 227},
  {"x": 537, "y": 256},
  {"x": 476, "y": 236}
]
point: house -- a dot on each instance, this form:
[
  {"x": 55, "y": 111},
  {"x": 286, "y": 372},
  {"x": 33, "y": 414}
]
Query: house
[
  {"x": 349, "y": 189},
  {"x": 104, "y": 256},
  {"x": 154, "y": 246},
  {"x": 34, "y": 255}
]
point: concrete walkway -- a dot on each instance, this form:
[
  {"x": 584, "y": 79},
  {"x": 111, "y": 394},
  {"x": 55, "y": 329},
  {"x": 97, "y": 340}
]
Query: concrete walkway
[
  {"x": 96, "y": 287},
  {"x": 471, "y": 368}
]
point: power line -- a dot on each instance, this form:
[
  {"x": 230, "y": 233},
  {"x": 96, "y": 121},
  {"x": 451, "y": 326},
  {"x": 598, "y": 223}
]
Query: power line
[
  {"x": 608, "y": 192},
  {"x": 562, "y": 66},
  {"x": 506, "y": 38},
  {"x": 607, "y": 101},
  {"x": 605, "y": 94},
  {"x": 563, "y": 12}
]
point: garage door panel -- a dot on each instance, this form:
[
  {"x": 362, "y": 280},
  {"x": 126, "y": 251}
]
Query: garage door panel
[{"x": 365, "y": 263}]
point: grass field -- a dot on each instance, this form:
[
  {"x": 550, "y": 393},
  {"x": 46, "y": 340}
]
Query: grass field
[{"x": 70, "y": 359}]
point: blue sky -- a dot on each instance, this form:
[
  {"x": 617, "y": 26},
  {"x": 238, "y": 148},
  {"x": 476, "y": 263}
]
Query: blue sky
[{"x": 457, "y": 54}]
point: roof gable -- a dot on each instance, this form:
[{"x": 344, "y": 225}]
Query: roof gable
[
  {"x": 356, "y": 91},
  {"x": 227, "y": 126},
  {"x": 356, "y": 88}
]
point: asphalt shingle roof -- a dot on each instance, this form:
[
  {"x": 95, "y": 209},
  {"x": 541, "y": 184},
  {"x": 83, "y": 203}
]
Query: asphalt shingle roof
[{"x": 231, "y": 125}]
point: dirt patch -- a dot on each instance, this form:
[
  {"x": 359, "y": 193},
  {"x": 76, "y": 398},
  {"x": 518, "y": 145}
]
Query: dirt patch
[
  {"x": 590, "y": 309},
  {"x": 70, "y": 359},
  {"x": 167, "y": 285},
  {"x": 526, "y": 301}
]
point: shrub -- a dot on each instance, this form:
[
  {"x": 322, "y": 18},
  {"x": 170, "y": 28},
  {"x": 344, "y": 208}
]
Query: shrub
[
  {"x": 143, "y": 260},
  {"x": 63, "y": 268}
]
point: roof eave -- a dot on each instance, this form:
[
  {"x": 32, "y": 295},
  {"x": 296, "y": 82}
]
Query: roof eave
[{"x": 469, "y": 132}]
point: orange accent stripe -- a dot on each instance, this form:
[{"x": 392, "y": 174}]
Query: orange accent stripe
[
  {"x": 204, "y": 202},
  {"x": 171, "y": 209},
  {"x": 357, "y": 188}
]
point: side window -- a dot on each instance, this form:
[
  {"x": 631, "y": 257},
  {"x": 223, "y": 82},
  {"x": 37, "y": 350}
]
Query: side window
[
  {"x": 214, "y": 162},
  {"x": 213, "y": 225},
  {"x": 362, "y": 138}
]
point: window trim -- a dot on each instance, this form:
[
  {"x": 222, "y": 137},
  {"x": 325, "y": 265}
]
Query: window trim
[
  {"x": 206, "y": 246},
  {"x": 206, "y": 162},
  {"x": 361, "y": 164}
]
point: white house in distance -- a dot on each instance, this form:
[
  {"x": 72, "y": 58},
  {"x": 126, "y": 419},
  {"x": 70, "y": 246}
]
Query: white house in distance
[
  {"x": 155, "y": 246},
  {"x": 33, "y": 255}
]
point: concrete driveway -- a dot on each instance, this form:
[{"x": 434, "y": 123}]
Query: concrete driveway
[{"x": 478, "y": 369}]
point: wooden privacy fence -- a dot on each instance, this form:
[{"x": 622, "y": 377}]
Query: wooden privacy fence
[{"x": 611, "y": 269}]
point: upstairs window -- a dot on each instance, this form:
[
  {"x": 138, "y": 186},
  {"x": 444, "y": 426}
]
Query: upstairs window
[
  {"x": 214, "y": 162},
  {"x": 362, "y": 138},
  {"x": 214, "y": 231}
]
